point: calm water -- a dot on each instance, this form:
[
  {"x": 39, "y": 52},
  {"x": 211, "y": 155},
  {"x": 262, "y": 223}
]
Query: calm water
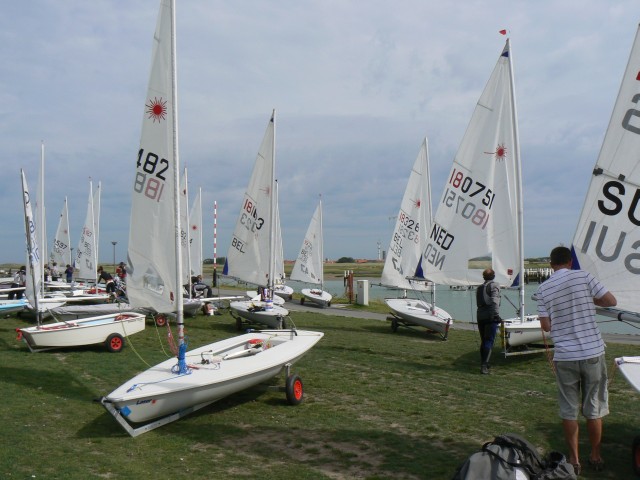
[{"x": 461, "y": 303}]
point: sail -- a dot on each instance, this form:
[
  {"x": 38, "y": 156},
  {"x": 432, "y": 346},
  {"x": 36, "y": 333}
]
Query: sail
[
  {"x": 478, "y": 217},
  {"x": 308, "y": 266},
  {"x": 185, "y": 235},
  {"x": 606, "y": 239},
  {"x": 248, "y": 258},
  {"x": 61, "y": 252},
  {"x": 34, "y": 261},
  {"x": 195, "y": 234},
  {"x": 152, "y": 278},
  {"x": 413, "y": 220},
  {"x": 85, "y": 258}
]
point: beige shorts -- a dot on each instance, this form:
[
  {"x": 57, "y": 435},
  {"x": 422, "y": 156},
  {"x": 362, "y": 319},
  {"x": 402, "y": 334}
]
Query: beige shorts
[{"x": 582, "y": 386}]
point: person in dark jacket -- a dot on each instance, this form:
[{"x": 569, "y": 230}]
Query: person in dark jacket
[{"x": 488, "y": 316}]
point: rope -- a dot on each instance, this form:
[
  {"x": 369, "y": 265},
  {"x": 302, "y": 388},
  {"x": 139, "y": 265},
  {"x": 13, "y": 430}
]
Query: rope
[{"x": 132, "y": 347}]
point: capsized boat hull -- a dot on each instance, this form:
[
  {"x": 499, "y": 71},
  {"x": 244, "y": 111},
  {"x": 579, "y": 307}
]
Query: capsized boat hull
[
  {"x": 418, "y": 312},
  {"x": 87, "y": 331},
  {"x": 518, "y": 332},
  {"x": 220, "y": 369},
  {"x": 319, "y": 297},
  {"x": 257, "y": 312}
]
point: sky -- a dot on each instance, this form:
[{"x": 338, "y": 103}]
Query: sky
[{"x": 356, "y": 85}]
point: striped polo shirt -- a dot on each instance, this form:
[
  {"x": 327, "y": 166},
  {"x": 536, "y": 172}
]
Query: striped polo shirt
[{"x": 567, "y": 299}]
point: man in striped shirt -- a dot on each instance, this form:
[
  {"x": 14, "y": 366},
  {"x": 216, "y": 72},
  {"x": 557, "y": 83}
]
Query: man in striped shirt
[{"x": 567, "y": 308}]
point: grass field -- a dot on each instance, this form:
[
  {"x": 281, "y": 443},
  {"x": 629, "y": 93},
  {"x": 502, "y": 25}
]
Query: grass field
[{"x": 378, "y": 405}]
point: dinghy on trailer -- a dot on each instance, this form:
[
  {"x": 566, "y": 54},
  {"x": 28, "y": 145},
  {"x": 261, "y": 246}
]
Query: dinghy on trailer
[
  {"x": 402, "y": 268},
  {"x": 252, "y": 256},
  {"x": 480, "y": 214},
  {"x": 309, "y": 265},
  {"x": 178, "y": 386}
]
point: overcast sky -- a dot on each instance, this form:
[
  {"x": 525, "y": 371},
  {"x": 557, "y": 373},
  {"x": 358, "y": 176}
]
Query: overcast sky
[{"x": 356, "y": 85}]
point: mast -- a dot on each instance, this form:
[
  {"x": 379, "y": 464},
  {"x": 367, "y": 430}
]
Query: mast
[
  {"x": 321, "y": 249},
  {"x": 518, "y": 171},
  {"x": 176, "y": 195},
  {"x": 272, "y": 210},
  {"x": 41, "y": 234}
]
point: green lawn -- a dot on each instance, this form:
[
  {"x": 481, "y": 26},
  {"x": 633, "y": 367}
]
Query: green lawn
[{"x": 378, "y": 405}]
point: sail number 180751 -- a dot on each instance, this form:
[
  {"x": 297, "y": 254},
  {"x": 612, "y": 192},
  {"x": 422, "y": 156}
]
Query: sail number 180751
[{"x": 151, "y": 180}]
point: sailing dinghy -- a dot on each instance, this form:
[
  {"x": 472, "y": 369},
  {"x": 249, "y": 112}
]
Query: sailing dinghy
[
  {"x": 605, "y": 242},
  {"x": 480, "y": 214},
  {"x": 252, "y": 254},
  {"x": 196, "y": 378},
  {"x": 309, "y": 265},
  {"x": 110, "y": 330},
  {"x": 402, "y": 266}
]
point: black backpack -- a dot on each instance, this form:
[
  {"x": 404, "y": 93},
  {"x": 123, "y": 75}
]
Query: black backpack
[{"x": 511, "y": 457}]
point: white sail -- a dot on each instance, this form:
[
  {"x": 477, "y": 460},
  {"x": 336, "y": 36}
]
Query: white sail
[
  {"x": 96, "y": 220},
  {"x": 249, "y": 258},
  {"x": 195, "y": 234},
  {"x": 412, "y": 225},
  {"x": 155, "y": 264},
  {"x": 479, "y": 214},
  {"x": 308, "y": 266},
  {"x": 61, "y": 252},
  {"x": 34, "y": 261},
  {"x": 185, "y": 234},
  {"x": 85, "y": 257},
  {"x": 606, "y": 239}
]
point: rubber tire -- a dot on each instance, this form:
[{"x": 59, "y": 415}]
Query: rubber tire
[
  {"x": 161, "y": 320},
  {"x": 294, "y": 389},
  {"x": 328, "y": 303},
  {"x": 302, "y": 301},
  {"x": 635, "y": 456},
  {"x": 394, "y": 325},
  {"x": 115, "y": 343},
  {"x": 238, "y": 324},
  {"x": 283, "y": 324}
]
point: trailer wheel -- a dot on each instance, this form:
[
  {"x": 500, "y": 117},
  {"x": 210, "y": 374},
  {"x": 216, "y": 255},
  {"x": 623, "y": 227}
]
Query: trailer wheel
[
  {"x": 115, "y": 343},
  {"x": 294, "y": 389},
  {"x": 394, "y": 325},
  {"x": 161, "y": 320},
  {"x": 238, "y": 323},
  {"x": 302, "y": 301},
  {"x": 635, "y": 455}
]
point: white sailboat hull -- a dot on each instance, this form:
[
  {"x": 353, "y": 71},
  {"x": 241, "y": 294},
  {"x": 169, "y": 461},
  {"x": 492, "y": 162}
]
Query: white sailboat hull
[
  {"x": 253, "y": 295},
  {"x": 158, "y": 391},
  {"x": 630, "y": 368},
  {"x": 418, "y": 312},
  {"x": 70, "y": 312},
  {"x": 86, "y": 331},
  {"x": 257, "y": 312},
  {"x": 319, "y": 297},
  {"x": 283, "y": 291},
  {"x": 12, "y": 306},
  {"x": 518, "y": 332}
]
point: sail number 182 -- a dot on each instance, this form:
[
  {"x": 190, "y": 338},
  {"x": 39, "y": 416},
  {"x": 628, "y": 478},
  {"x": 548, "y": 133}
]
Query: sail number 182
[{"x": 151, "y": 180}]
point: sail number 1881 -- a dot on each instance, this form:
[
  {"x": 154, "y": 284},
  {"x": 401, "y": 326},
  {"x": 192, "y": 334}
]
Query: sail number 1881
[{"x": 151, "y": 180}]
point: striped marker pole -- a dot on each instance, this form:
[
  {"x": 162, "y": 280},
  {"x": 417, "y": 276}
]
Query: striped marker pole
[{"x": 215, "y": 243}]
